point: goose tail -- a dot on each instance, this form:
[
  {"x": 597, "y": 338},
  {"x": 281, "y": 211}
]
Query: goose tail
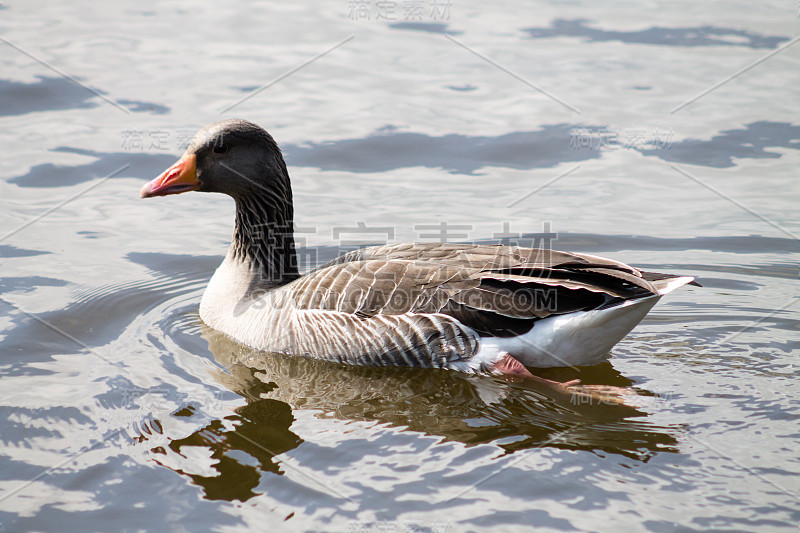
[{"x": 669, "y": 284}]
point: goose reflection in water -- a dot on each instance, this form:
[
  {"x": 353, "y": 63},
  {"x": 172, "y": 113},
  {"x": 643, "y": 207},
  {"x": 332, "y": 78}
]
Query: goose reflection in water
[{"x": 458, "y": 407}]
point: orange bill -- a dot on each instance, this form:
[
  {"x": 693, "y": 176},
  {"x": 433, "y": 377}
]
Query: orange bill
[{"x": 180, "y": 177}]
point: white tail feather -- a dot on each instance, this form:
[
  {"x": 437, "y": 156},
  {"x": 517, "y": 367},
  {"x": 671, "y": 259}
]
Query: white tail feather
[{"x": 665, "y": 286}]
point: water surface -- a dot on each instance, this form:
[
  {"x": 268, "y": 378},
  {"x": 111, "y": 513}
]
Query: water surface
[{"x": 122, "y": 411}]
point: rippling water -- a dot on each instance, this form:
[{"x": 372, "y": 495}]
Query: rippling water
[{"x": 591, "y": 125}]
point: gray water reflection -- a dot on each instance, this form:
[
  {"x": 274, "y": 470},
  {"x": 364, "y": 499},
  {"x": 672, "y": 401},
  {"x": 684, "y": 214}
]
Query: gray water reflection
[
  {"x": 550, "y": 146},
  {"x": 49, "y": 93},
  {"x": 750, "y": 142},
  {"x": 429, "y": 27},
  {"x": 58, "y": 93},
  {"x": 751, "y": 244},
  {"x": 388, "y": 149},
  {"x": 9, "y": 251},
  {"x": 657, "y": 35},
  {"x": 50, "y": 175}
]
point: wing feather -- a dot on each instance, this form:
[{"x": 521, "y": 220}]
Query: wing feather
[{"x": 496, "y": 290}]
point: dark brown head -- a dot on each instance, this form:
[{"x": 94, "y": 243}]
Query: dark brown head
[{"x": 234, "y": 157}]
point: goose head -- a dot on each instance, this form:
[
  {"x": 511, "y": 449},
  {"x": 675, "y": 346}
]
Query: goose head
[
  {"x": 234, "y": 157},
  {"x": 240, "y": 159}
]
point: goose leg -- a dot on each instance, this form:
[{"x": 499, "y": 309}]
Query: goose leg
[{"x": 508, "y": 366}]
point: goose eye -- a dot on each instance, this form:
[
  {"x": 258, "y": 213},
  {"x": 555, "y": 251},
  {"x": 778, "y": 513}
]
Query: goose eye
[{"x": 220, "y": 148}]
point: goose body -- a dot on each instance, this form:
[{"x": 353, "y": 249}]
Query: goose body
[{"x": 467, "y": 307}]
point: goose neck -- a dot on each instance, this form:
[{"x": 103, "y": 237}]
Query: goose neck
[{"x": 263, "y": 239}]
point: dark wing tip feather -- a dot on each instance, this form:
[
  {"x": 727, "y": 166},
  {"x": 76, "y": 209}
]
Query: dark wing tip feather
[
  {"x": 656, "y": 276},
  {"x": 478, "y": 285}
]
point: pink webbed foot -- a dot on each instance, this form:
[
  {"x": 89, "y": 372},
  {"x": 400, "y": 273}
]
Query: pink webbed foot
[
  {"x": 512, "y": 369},
  {"x": 508, "y": 366}
]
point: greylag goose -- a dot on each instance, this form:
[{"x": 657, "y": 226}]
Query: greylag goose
[{"x": 466, "y": 307}]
